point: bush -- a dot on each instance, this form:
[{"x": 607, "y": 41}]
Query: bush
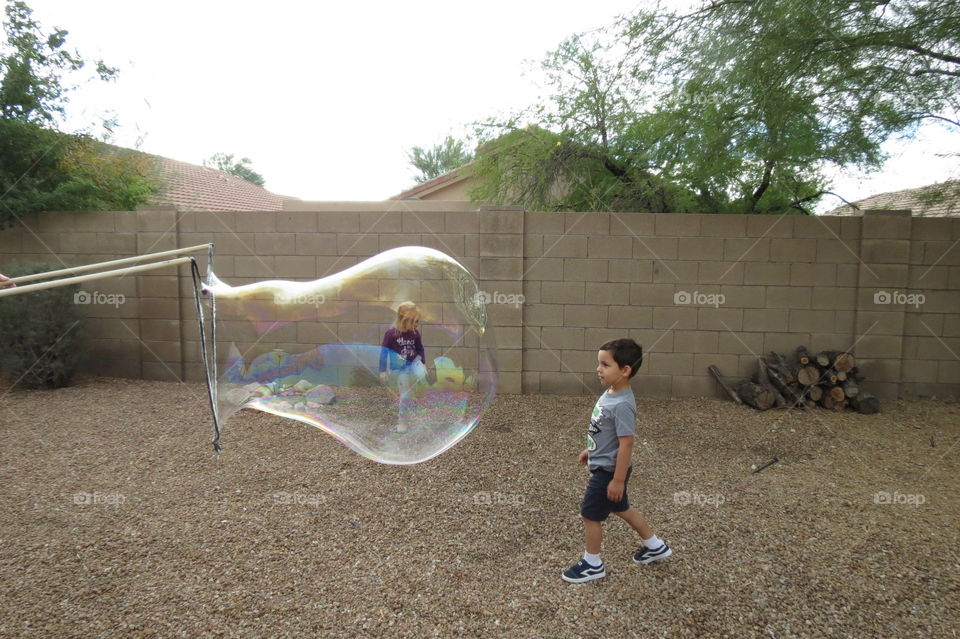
[{"x": 41, "y": 333}]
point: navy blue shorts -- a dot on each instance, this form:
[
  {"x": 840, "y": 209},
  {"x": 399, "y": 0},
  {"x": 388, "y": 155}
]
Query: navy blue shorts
[{"x": 596, "y": 506}]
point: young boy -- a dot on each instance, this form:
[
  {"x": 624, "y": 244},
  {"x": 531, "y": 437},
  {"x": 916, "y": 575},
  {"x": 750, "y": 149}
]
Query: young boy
[{"x": 609, "y": 446}]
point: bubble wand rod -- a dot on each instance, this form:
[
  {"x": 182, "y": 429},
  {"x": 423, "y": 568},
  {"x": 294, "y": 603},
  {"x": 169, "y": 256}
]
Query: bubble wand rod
[{"x": 64, "y": 281}]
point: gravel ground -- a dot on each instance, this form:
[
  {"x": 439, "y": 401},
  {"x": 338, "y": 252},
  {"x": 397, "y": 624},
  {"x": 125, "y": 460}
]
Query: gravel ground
[{"x": 119, "y": 521}]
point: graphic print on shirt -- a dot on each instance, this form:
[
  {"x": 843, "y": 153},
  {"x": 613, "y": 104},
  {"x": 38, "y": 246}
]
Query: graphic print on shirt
[
  {"x": 408, "y": 347},
  {"x": 594, "y": 427}
]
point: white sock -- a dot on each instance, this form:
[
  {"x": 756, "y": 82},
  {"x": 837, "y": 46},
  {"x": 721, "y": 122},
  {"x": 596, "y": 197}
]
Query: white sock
[
  {"x": 593, "y": 560},
  {"x": 653, "y": 543}
]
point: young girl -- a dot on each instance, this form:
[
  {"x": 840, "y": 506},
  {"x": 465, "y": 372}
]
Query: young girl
[{"x": 403, "y": 338}]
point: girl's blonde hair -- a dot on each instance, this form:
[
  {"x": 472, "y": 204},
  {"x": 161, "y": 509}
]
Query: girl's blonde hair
[{"x": 408, "y": 317}]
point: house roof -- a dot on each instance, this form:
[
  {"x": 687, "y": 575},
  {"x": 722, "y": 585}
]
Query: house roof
[
  {"x": 435, "y": 184},
  {"x": 934, "y": 200},
  {"x": 191, "y": 187}
]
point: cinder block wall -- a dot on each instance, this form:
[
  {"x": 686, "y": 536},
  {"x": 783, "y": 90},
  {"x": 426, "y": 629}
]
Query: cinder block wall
[{"x": 695, "y": 290}]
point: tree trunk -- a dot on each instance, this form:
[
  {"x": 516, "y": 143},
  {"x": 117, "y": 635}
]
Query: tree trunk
[
  {"x": 844, "y": 362},
  {"x": 850, "y": 388},
  {"x": 808, "y": 375},
  {"x": 756, "y": 395},
  {"x": 865, "y": 404},
  {"x": 716, "y": 373}
]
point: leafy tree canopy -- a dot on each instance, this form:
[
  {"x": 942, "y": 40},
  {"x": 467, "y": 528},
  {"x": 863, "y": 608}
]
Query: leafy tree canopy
[
  {"x": 239, "y": 168},
  {"x": 738, "y": 106},
  {"x": 438, "y": 159},
  {"x": 42, "y": 168}
]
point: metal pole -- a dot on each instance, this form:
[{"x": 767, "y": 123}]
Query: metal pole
[
  {"x": 99, "y": 265},
  {"x": 93, "y": 276}
]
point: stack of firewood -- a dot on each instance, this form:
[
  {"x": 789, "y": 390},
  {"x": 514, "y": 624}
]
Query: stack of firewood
[{"x": 829, "y": 379}]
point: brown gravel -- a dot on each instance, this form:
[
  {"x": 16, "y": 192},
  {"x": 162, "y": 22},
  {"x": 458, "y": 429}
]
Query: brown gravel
[{"x": 288, "y": 533}]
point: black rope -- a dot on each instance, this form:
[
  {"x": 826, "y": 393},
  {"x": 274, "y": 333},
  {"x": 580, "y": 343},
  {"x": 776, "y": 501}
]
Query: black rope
[{"x": 197, "y": 289}]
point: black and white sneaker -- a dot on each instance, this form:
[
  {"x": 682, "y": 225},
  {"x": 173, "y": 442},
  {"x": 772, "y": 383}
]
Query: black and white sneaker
[
  {"x": 582, "y": 572},
  {"x": 647, "y": 556}
]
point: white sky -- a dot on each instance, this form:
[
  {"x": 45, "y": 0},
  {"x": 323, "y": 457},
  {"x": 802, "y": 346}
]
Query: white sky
[{"x": 326, "y": 97}]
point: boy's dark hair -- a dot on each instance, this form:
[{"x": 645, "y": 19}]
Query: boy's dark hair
[{"x": 626, "y": 352}]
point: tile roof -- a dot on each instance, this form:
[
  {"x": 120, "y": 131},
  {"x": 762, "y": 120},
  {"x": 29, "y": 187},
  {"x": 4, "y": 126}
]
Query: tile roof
[
  {"x": 190, "y": 187},
  {"x": 934, "y": 200},
  {"x": 433, "y": 184}
]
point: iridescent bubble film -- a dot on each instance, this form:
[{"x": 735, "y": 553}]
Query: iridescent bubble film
[{"x": 311, "y": 351}]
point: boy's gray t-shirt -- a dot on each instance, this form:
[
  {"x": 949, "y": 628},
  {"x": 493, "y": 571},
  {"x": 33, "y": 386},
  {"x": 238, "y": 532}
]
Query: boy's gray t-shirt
[{"x": 614, "y": 415}]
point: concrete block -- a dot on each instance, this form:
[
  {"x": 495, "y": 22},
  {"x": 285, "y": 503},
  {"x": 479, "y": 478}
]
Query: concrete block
[
  {"x": 538, "y": 222},
  {"x": 655, "y": 248},
  {"x": 296, "y": 222},
  {"x": 346, "y": 221},
  {"x": 607, "y": 293},
  {"x": 771, "y": 226},
  {"x": 723, "y": 225},
  {"x": 610, "y": 247},
  {"x": 629, "y": 270},
  {"x": 675, "y": 318},
  {"x": 741, "y": 343},
  {"x": 766, "y": 273},
  {"x": 701, "y": 248},
  {"x": 584, "y": 270},
  {"x": 670, "y": 363},
  {"x": 695, "y": 341},
  {"x": 645, "y": 385},
  {"x": 677, "y": 224},
  {"x": 629, "y": 317},
  {"x": 501, "y": 220},
  {"x": 589, "y": 223},
  {"x": 793, "y": 250},
  {"x": 575, "y": 315},
  {"x": 885, "y": 251},
  {"x": 720, "y": 319},
  {"x": 390, "y": 221},
  {"x": 694, "y": 386},
  {"x": 748, "y": 249},
  {"x": 649, "y": 295},
  {"x": 563, "y": 292},
  {"x": 543, "y": 314},
  {"x": 253, "y": 221},
  {"x": 686, "y": 273},
  {"x": 813, "y": 275},
  {"x": 721, "y": 272},
  {"x": 561, "y": 338},
  {"x": 885, "y": 227},
  {"x": 805, "y": 321},
  {"x": 274, "y": 243},
  {"x": 765, "y": 320},
  {"x": 632, "y": 224},
  {"x": 543, "y": 268},
  {"x": 565, "y": 246},
  {"x": 541, "y": 360},
  {"x": 817, "y": 226},
  {"x": 563, "y": 383},
  {"x": 837, "y": 251}
]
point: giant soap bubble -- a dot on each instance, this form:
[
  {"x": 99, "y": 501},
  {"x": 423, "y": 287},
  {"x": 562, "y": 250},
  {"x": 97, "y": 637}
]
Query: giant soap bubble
[{"x": 311, "y": 351}]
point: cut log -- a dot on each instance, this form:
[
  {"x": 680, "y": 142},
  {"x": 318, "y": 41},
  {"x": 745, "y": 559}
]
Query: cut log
[
  {"x": 803, "y": 356},
  {"x": 810, "y": 404},
  {"x": 839, "y": 406},
  {"x": 763, "y": 378},
  {"x": 823, "y": 359},
  {"x": 830, "y": 376},
  {"x": 865, "y": 404},
  {"x": 815, "y": 393},
  {"x": 841, "y": 376},
  {"x": 851, "y": 388},
  {"x": 808, "y": 375},
  {"x": 755, "y": 395},
  {"x": 827, "y": 401},
  {"x": 716, "y": 373},
  {"x": 837, "y": 393},
  {"x": 844, "y": 362}
]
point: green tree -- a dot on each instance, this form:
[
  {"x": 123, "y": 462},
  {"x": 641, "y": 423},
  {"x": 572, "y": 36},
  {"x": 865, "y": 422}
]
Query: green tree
[
  {"x": 438, "y": 159},
  {"x": 239, "y": 168},
  {"x": 42, "y": 168},
  {"x": 738, "y": 106}
]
